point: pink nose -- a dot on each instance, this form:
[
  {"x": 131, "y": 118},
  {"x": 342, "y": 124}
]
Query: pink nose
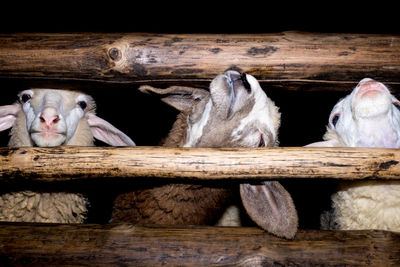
[{"x": 49, "y": 120}]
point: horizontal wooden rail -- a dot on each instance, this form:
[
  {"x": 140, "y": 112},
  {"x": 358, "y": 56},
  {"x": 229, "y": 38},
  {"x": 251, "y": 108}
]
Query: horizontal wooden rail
[
  {"x": 291, "y": 59},
  {"x": 113, "y": 245},
  {"x": 67, "y": 163}
]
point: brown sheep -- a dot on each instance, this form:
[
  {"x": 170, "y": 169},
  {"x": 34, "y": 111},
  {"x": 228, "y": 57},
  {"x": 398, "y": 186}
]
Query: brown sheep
[{"x": 235, "y": 112}]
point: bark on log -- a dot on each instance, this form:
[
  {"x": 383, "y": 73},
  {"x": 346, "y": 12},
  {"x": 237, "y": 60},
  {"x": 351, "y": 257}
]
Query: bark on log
[
  {"x": 293, "y": 60},
  {"x": 112, "y": 245},
  {"x": 68, "y": 163}
]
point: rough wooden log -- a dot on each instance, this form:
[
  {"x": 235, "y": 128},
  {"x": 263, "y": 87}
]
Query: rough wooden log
[
  {"x": 68, "y": 163},
  {"x": 112, "y": 245},
  {"x": 294, "y": 60}
]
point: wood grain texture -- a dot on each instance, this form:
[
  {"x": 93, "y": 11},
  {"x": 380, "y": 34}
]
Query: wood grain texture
[
  {"x": 68, "y": 163},
  {"x": 292, "y": 60},
  {"x": 129, "y": 245}
]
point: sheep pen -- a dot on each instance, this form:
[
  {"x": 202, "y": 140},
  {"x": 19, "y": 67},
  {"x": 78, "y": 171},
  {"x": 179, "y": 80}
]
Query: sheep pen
[{"x": 297, "y": 68}]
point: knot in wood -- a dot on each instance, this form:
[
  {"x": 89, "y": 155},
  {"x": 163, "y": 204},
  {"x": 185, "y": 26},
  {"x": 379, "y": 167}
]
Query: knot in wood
[{"x": 115, "y": 54}]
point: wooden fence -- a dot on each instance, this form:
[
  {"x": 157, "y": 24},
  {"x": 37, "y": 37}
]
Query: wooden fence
[
  {"x": 289, "y": 60},
  {"x": 69, "y": 163}
]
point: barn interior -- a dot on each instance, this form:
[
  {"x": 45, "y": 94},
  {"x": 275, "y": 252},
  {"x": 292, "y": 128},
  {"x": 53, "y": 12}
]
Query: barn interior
[{"x": 305, "y": 108}]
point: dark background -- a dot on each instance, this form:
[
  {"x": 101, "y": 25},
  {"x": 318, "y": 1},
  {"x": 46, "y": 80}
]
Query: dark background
[
  {"x": 198, "y": 16},
  {"x": 146, "y": 120}
]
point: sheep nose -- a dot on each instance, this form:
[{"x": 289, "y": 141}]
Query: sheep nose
[{"x": 49, "y": 120}]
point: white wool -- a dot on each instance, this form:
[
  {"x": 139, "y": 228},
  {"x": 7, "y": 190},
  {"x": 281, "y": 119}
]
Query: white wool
[
  {"x": 231, "y": 217},
  {"x": 366, "y": 205},
  {"x": 332, "y": 135}
]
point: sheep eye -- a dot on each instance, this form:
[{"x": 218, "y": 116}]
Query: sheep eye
[
  {"x": 335, "y": 119},
  {"x": 25, "y": 98},
  {"x": 82, "y": 104},
  {"x": 246, "y": 84},
  {"x": 397, "y": 105}
]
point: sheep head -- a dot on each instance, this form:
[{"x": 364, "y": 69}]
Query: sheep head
[
  {"x": 236, "y": 112},
  {"x": 368, "y": 117},
  {"x": 49, "y": 117}
]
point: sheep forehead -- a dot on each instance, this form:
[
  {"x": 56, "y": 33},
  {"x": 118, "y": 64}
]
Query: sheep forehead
[{"x": 61, "y": 98}]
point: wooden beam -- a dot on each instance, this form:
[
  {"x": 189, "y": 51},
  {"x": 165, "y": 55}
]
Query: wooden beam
[
  {"x": 112, "y": 245},
  {"x": 68, "y": 163},
  {"x": 292, "y": 60}
]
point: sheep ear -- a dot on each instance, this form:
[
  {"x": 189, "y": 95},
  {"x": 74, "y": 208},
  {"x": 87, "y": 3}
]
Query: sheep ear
[
  {"x": 271, "y": 207},
  {"x": 8, "y": 115},
  {"x": 180, "y": 97},
  {"x": 104, "y": 131}
]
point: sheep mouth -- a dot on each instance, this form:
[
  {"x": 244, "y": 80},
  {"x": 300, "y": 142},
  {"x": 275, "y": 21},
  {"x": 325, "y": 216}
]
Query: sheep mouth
[
  {"x": 48, "y": 134},
  {"x": 232, "y": 93},
  {"x": 370, "y": 89},
  {"x": 231, "y": 78},
  {"x": 48, "y": 138},
  {"x": 371, "y": 93}
]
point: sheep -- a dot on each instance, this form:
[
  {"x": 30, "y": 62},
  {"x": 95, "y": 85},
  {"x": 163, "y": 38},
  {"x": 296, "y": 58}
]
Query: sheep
[
  {"x": 48, "y": 118},
  {"x": 368, "y": 117},
  {"x": 235, "y": 112}
]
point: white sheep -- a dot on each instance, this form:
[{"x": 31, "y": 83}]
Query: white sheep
[
  {"x": 47, "y": 118},
  {"x": 235, "y": 112},
  {"x": 368, "y": 117}
]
